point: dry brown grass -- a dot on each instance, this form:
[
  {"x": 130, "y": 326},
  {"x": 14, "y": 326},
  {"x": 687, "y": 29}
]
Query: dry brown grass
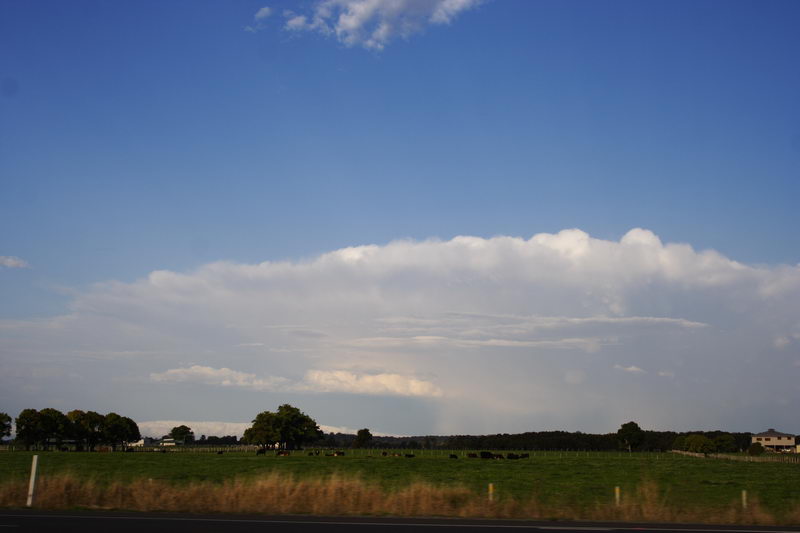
[{"x": 337, "y": 495}]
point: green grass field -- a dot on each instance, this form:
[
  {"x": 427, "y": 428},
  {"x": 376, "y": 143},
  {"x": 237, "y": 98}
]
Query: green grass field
[{"x": 574, "y": 478}]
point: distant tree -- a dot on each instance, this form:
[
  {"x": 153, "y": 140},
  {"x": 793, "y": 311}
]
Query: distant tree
[
  {"x": 264, "y": 431},
  {"x": 725, "y": 443},
  {"x": 55, "y": 426},
  {"x": 295, "y": 427},
  {"x": 679, "y": 443},
  {"x": 119, "y": 430},
  {"x": 755, "y": 449},
  {"x": 630, "y": 435},
  {"x": 5, "y": 425},
  {"x": 700, "y": 444},
  {"x": 182, "y": 433},
  {"x": 363, "y": 439},
  {"x": 289, "y": 427},
  {"x": 92, "y": 423},
  {"x": 29, "y": 430}
]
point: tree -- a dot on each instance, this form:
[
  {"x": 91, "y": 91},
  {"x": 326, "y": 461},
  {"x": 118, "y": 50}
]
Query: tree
[
  {"x": 289, "y": 428},
  {"x": 363, "y": 438},
  {"x": 182, "y": 433},
  {"x": 29, "y": 430},
  {"x": 5, "y": 425},
  {"x": 630, "y": 435},
  {"x": 55, "y": 426},
  {"x": 264, "y": 431},
  {"x": 679, "y": 443},
  {"x": 119, "y": 430},
  {"x": 725, "y": 443},
  {"x": 755, "y": 449},
  {"x": 700, "y": 444}
]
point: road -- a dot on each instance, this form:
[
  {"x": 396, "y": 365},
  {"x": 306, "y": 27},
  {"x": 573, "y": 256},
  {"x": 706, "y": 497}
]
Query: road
[{"x": 102, "y": 522}]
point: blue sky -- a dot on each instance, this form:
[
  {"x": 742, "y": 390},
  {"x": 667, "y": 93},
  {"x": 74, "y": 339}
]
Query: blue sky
[{"x": 137, "y": 137}]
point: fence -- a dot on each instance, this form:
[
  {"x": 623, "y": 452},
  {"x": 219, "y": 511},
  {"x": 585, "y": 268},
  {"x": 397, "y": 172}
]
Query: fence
[{"x": 770, "y": 458}]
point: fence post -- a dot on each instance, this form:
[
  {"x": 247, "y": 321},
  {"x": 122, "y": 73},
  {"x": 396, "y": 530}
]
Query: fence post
[
  {"x": 617, "y": 495},
  {"x": 32, "y": 484},
  {"x": 744, "y": 500},
  {"x": 491, "y": 492}
]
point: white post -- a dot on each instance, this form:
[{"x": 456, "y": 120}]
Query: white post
[
  {"x": 744, "y": 499},
  {"x": 491, "y": 492},
  {"x": 617, "y": 494},
  {"x": 32, "y": 484}
]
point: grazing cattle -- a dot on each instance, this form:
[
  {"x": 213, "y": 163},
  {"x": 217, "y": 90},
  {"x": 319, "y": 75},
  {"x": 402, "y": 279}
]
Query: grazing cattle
[
  {"x": 220, "y": 453},
  {"x": 472, "y": 456},
  {"x": 316, "y": 452},
  {"x": 330, "y": 455},
  {"x": 338, "y": 454},
  {"x": 525, "y": 456},
  {"x": 410, "y": 455},
  {"x": 512, "y": 456},
  {"x": 384, "y": 454},
  {"x": 261, "y": 451},
  {"x": 498, "y": 456},
  {"x": 282, "y": 453},
  {"x": 487, "y": 455},
  {"x": 453, "y": 456},
  {"x": 311, "y": 454}
]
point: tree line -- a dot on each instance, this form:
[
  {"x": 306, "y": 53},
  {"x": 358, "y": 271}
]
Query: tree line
[
  {"x": 290, "y": 428},
  {"x": 50, "y": 428}
]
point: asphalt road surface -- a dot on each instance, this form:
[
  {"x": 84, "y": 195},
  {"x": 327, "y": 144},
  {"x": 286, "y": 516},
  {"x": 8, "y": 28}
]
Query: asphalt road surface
[{"x": 93, "y": 522}]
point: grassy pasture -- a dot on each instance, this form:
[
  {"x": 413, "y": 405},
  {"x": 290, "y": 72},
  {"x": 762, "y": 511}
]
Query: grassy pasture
[{"x": 576, "y": 479}]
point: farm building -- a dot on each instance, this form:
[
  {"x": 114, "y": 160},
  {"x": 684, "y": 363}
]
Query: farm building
[{"x": 775, "y": 441}]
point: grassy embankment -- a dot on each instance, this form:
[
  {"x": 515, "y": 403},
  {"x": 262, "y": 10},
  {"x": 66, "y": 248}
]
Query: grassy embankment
[{"x": 548, "y": 485}]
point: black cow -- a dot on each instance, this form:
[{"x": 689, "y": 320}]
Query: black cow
[
  {"x": 525, "y": 456},
  {"x": 487, "y": 455},
  {"x": 261, "y": 451},
  {"x": 220, "y": 453},
  {"x": 453, "y": 456},
  {"x": 410, "y": 455}
]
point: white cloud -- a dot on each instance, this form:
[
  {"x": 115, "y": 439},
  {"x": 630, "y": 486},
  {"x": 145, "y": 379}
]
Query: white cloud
[
  {"x": 375, "y": 23},
  {"x": 263, "y": 13},
  {"x": 10, "y": 261},
  {"x": 258, "y": 20},
  {"x": 315, "y": 381},
  {"x": 219, "y": 376},
  {"x": 380, "y": 384},
  {"x": 463, "y": 335},
  {"x": 633, "y": 369}
]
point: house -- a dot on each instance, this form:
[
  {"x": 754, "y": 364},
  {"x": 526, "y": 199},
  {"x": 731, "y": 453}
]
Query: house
[
  {"x": 775, "y": 441},
  {"x": 146, "y": 441},
  {"x": 169, "y": 442}
]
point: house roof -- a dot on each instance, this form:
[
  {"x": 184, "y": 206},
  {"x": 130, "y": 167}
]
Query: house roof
[{"x": 772, "y": 433}]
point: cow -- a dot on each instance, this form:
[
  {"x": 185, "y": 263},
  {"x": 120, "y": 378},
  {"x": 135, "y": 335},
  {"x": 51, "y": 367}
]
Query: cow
[
  {"x": 384, "y": 454},
  {"x": 487, "y": 455},
  {"x": 497, "y": 456},
  {"x": 338, "y": 453},
  {"x": 282, "y": 453},
  {"x": 220, "y": 453},
  {"x": 472, "y": 456},
  {"x": 512, "y": 456},
  {"x": 261, "y": 451},
  {"x": 525, "y": 456},
  {"x": 453, "y": 456},
  {"x": 410, "y": 455}
]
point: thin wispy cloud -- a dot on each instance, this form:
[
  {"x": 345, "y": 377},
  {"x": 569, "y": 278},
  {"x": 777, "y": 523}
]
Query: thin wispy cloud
[
  {"x": 10, "y": 261},
  {"x": 258, "y": 20},
  {"x": 373, "y": 24}
]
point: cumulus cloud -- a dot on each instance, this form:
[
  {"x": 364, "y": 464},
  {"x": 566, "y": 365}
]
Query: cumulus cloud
[
  {"x": 463, "y": 335},
  {"x": 375, "y": 23},
  {"x": 9, "y": 261}
]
